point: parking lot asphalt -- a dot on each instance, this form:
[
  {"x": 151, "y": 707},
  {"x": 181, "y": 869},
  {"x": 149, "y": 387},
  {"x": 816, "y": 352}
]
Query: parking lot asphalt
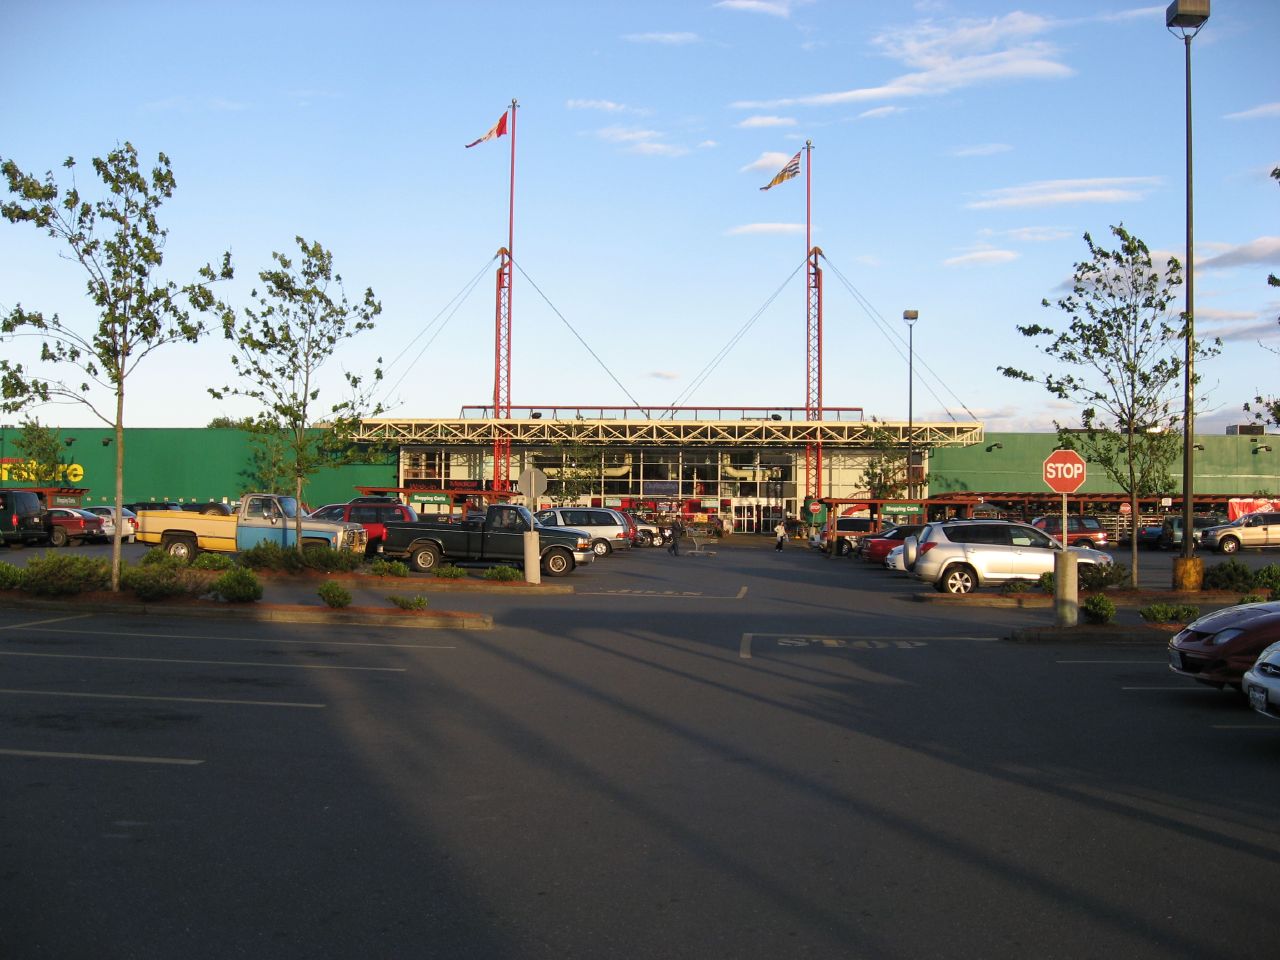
[{"x": 747, "y": 755}]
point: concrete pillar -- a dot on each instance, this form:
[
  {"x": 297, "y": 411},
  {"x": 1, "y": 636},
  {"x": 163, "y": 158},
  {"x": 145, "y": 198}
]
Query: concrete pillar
[{"x": 1066, "y": 589}]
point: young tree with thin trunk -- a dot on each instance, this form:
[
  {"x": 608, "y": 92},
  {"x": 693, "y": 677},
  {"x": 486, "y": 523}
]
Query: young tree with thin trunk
[
  {"x": 1120, "y": 359},
  {"x": 118, "y": 242},
  {"x": 281, "y": 345}
]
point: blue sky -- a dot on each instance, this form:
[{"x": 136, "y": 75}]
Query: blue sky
[{"x": 961, "y": 149}]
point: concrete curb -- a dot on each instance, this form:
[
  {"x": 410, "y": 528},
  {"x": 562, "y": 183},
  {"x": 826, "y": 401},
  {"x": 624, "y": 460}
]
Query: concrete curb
[
  {"x": 269, "y": 612},
  {"x": 420, "y": 584}
]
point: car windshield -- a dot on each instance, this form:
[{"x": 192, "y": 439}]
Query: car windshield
[{"x": 289, "y": 506}]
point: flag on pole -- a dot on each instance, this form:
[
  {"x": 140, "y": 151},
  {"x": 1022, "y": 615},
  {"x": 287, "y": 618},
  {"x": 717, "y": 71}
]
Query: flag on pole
[
  {"x": 500, "y": 128},
  {"x": 792, "y": 169}
]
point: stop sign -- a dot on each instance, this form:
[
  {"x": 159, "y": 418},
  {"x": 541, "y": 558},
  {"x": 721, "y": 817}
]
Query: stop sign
[{"x": 1064, "y": 471}]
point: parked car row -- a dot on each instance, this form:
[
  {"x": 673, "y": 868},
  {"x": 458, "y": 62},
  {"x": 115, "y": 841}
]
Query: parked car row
[
  {"x": 26, "y": 521},
  {"x": 1237, "y": 647},
  {"x": 959, "y": 556}
]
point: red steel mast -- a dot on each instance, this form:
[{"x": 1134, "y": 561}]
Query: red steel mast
[
  {"x": 813, "y": 348},
  {"x": 502, "y": 331}
]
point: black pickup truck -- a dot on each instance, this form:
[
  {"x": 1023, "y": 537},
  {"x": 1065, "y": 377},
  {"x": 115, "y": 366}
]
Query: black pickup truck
[{"x": 498, "y": 537}]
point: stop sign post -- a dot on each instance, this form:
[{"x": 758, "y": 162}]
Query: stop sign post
[{"x": 1064, "y": 472}]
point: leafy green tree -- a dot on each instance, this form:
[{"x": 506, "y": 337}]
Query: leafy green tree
[
  {"x": 885, "y": 472},
  {"x": 1120, "y": 359},
  {"x": 280, "y": 347},
  {"x": 40, "y": 448},
  {"x": 118, "y": 243},
  {"x": 1267, "y": 408}
]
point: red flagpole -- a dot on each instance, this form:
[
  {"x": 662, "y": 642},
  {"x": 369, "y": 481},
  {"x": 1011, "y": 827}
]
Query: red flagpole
[{"x": 502, "y": 335}]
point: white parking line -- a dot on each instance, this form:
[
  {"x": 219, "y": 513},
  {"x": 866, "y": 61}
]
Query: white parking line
[
  {"x": 35, "y": 623},
  {"x": 1186, "y": 688},
  {"x": 78, "y": 695},
  {"x": 172, "y": 761},
  {"x": 214, "y": 636},
  {"x": 1246, "y": 726},
  {"x": 216, "y": 663},
  {"x": 662, "y": 594},
  {"x": 1161, "y": 662}
]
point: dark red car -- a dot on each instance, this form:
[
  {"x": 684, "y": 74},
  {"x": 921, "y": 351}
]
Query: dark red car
[
  {"x": 72, "y": 524},
  {"x": 875, "y": 548},
  {"x": 1218, "y": 648},
  {"x": 373, "y": 515}
]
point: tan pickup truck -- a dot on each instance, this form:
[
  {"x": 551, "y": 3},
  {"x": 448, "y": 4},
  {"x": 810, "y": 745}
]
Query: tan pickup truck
[{"x": 262, "y": 517}]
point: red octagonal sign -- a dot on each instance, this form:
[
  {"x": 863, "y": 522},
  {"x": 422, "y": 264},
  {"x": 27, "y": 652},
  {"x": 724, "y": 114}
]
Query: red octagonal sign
[{"x": 1064, "y": 471}]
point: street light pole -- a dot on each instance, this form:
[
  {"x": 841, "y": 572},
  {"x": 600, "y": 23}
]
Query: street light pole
[
  {"x": 1184, "y": 18},
  {"x": 911, "y": 316}
]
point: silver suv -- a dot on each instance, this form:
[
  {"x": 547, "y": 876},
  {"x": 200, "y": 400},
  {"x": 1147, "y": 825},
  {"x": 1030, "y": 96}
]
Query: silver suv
[{"x": 957, "y": 556}]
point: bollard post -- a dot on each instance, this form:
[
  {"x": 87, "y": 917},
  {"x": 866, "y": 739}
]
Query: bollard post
[
  {"x": 532, "y": 558},
  {"x": 1066, "y": 592}
]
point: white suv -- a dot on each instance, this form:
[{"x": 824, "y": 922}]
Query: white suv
[
  {"x": 608, "y": 531},
  {"x": 957, "y": 556}
]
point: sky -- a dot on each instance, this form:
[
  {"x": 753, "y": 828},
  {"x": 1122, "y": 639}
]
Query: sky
[{"x": 961, "y": 150}]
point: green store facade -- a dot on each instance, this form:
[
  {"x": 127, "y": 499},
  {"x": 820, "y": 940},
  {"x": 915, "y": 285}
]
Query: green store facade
[{"x": 202, "y": 464}]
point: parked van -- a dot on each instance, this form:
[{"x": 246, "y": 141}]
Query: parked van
[
  {"x": 23, "y": 518},
  {"x": 608, "y": 531}
]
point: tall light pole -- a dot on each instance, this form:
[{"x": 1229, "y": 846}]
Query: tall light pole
[
  {"x": 1184, "y": 18},
  {"x": 911, "y": 316}
]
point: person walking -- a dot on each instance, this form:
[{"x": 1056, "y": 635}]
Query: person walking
[
  {"x": 780, "y": 531},
  {"x": 677, "y": 531}
]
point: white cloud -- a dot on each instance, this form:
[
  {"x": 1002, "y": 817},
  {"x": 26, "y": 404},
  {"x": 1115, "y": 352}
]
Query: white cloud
[
  {"x": 771, "y": 161},
  {"x": 1037, "y": 234},
  {"x": 981, "y": 150},
  {"x": 668, "y": 39},
  {"x": 626, "y": 135},
  {"x": 1249, "y": 328},
  {"x": 1264, "y": 110},
  {"x": 707, "y": 145},
  {"x": 1264, "y": 250},
  {"x": 662, "y": 375},
  {"x": 1051, "y": 192},
  {"x": 658, "y": 149},
  {"x": 950, "y": 56},
  {"x": 875, "y": 113},
  {"x": 755, "y": 229},
  {"x": 766, "y": 121},
  {"x": 981, "y": 258},
  {"x": 644, "y": 142},
  {"x": 608, "y": 106},
  {"x": 775, "y": 8}
]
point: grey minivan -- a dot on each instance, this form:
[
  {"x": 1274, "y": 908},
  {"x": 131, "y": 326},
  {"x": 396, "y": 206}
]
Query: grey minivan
[{"x": 608, "y": 531}]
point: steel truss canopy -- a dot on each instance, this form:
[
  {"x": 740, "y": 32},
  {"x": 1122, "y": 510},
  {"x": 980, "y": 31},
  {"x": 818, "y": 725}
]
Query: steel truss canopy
[{"x": 668, "y": 427}]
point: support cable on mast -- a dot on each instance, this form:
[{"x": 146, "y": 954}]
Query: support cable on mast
[{"x": 456, "y": 303}]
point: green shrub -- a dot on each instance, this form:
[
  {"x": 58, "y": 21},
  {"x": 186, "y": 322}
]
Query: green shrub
[
  {"x": 382, "y": 567},
  {"x": 213, "y": 561},
  {"x": 1275, "y": 594},
  {"x": 1231, "y": 575},
  {"x": 160, "y": 580},
  {"x": 268, "y": 555},
  {"x": 1099, "y": 576},
  {"x": 503, "y": 572},
  {"x": 1099, "y": 609},
  {"x": 327, "y": 560},
  {"x": 334, "y": 594},
  {"x": 154, "y": 555},
  {"x": 1046, "y": 582},
  {"x": 65, "y": 574},
  {"x": 1169, "y": 612},
  {"x": 238, "y": 585},
  {"x": 416, "y": 602},
  {"x": 1250, "y": 598},
  {"x": 1267, "y": 579},
  {"x": 11, "y": 577},
  {"x": 449, "y": 571},
  {"x": 1015, "y": 586}
]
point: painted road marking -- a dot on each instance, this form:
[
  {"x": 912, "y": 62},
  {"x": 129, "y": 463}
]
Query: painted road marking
[
  {"x": 663, "y": 594},
  {"x": 216, "y": 663},
  {"x": 172, "y": 761},
  {"x": 1183, "y": 689},
  {"x": 1245, "y": 726},
  {"x": 804, "y": 641},
  {"x": 214, "y": 636},
  {"x": 75, "y": 694},
  {"x": 1162, "y": 662},
  {"x": 36, "y": 623}
]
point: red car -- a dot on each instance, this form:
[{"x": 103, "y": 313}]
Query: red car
[
  {"x": 374, "y": 515},
  {"x": 875, "y": 548},
  {"x": 72, "y": 524},
  {"x": 1218, "y": 648}
]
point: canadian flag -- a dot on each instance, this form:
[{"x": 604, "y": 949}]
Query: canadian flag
[{"x": 498, "y": 130}]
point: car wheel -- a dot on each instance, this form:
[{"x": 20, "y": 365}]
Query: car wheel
[
  {"x": 183, "y": 548},
  {"x": 601, "y": 548},
  {"x": 843, "y": 548},
  {"x": 1228, "y": 544},
  {"x": 58, "y": 538},
  {"x": 644, "y": 539},
  {"x": 958, "y": 579},
  {"x": 425, "y": 558},
  {"x": 558, "y": 562}
]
